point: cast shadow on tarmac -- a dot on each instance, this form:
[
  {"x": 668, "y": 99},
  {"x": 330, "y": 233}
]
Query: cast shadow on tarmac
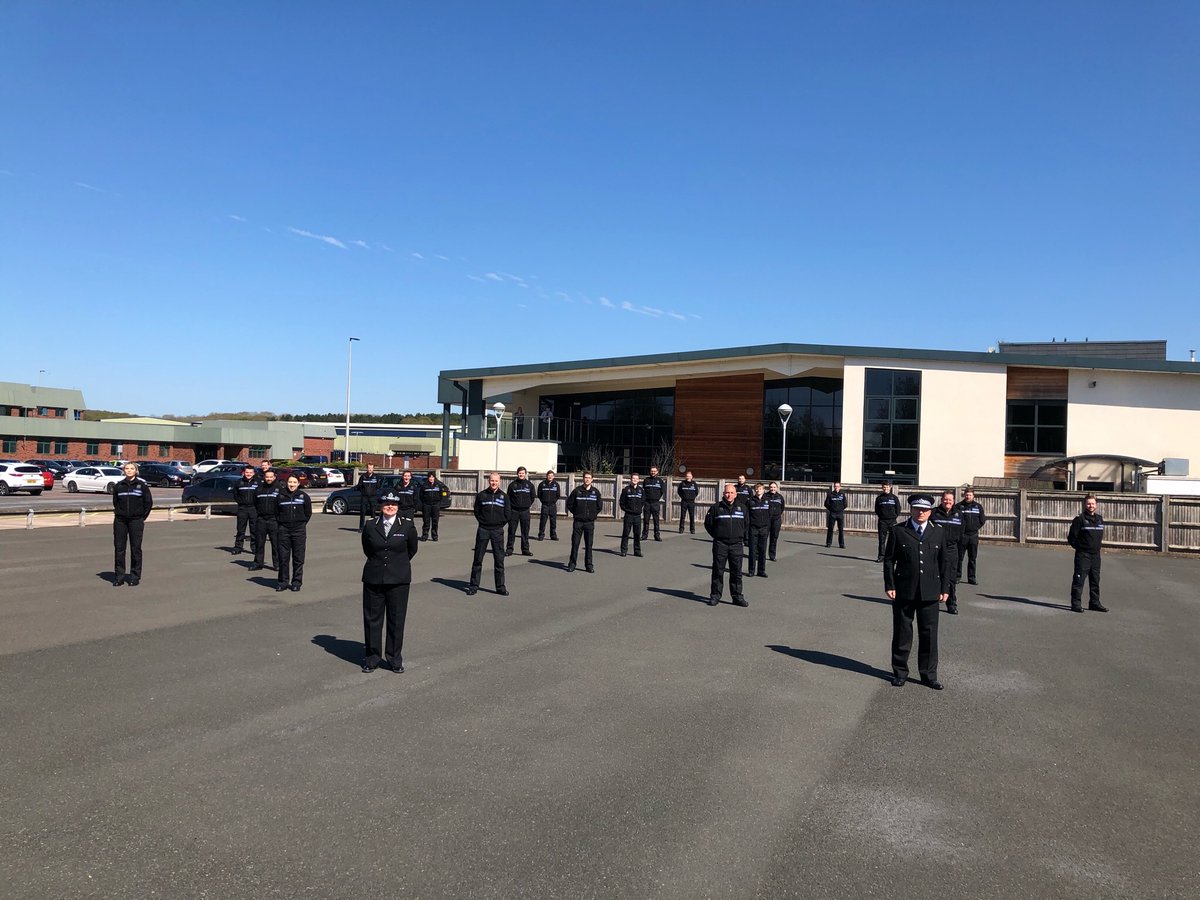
[
  {"x": 682, "y": 595},
  {"x": 350, "y": 651},
  {"x": 883, "y": 600},
  {"x": 821, "y": 658},
  {"x": 452, "y": 583},
  {"x": 110, "y": 577},
  {"x": 870, "y": 559},
  {"x": 1061, "y": 606},
  {"x": 263, "y": 580},
  {"x": 550, "y": 564}
]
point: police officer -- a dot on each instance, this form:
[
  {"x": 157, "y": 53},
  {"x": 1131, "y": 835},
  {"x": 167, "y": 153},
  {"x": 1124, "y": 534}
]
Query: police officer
[
  {"x": 887, "y": 511},
  {"x": 243, "y": 493},
  {"x": 745, "y": 493},
  {"x": 835, "y": 508},
  {"x": 131, "y": 506},
  {"x": 584, "y": 505},
  {"x": 973, "y": 519},
  {"x": 432, "y": 492},
  {"x": 368, "y": 490},
  {"x": 294, "y": 509},
  {"x": 389, "y": 544},
  {"x": 633, "y": 503},
  {"x": 409, "y": 494},
  {"x": 266, "y": 507},
  {"x": 946, "y": 517},
  {"x": 263, "y": 468},
  {"x": 775, "y": 498},
  {"x": 1086, "y": 534},
  {"x": 652, "y": 490},
  {"x": 491, "y": 512},
  {"x": 725, "y": 523},
  {"x": 520, "y": 501},
  {"x": 687, "y": 491},
  {"x": 916, "y": 576},
  {"x": 548, "y": 493},
  {"x": 759, "y": 520}
]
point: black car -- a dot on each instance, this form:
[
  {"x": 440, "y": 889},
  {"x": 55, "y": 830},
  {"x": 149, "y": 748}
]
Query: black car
[
  {"x": 212, "y": 489},
  {"x": 156, "y": 474},
  {"x": 57, "y": 466},
  {"x": 348, "y": 501}
]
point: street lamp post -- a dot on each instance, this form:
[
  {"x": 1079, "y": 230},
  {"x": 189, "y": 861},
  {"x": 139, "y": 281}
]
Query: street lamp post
[
  {"x": 785, "y": 413},
  {"x": 498, "y": 412},
  {"x": 349, "y": 361}
]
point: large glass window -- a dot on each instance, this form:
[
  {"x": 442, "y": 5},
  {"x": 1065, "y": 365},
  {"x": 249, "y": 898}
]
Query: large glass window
[
  {"x": 143, "y": 450},
  {"x": 93, "y": 448},
  {"x": 814, "y": 430},
  {"x": 60, "y": 448},
  {"x": 43, "y": 446},
  {"x": 891, "y": 426},
  {"x": 1036, "y": 427},
  {"x": 9, "y": 446},
  {"x": 628, "y": 427}
]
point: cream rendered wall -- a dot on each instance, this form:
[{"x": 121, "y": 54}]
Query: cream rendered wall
[
  {"x": 536, "y": 456},
  {"x": 1142, "y": 414},
  {"x": 853, "y": 383}
]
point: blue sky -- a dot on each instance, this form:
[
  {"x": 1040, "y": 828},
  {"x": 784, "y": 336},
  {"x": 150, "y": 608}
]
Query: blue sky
[{"x": 211, "y": 197}]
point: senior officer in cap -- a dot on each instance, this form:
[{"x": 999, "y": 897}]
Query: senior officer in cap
[
  {"x": 916, "y": 576},
  {"x": 389, "y": 543}
]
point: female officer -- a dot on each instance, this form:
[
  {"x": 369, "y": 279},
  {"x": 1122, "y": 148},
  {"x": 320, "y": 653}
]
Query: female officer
[
  {"x": 294, "y": 510},
  {"x": 388, "y": 542}
]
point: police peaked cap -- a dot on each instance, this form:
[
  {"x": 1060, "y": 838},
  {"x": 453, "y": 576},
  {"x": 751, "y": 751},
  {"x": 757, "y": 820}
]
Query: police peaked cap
[
  {"x": 389, "y": 497},
  {"x": 920, "y": 501}
]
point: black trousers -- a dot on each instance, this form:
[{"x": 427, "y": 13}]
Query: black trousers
[
  {"x": 246, "y": 517},
  {"x": 483, "y": 537},
  {"x": 1087, "y": 566},
  {"x": 726, "y": 556},
  {"x": 968, "y": 546},
  {"x": 632, "y": 525},
  {"x": 293, "y": 537},
  {"x": 430, "y": 514},
  {"x": 518, "y": 518},
  {"x": 382, "y": 601},
  {"x": 759, "y": 535},
  {"x": 368, "y": 508},
  {"x": 266, "y": 527},
  {"x": 926, "y": 614},
  {"x": 128, "y": 530},
  {"x": 687, "y": 508},
  {"x": 585, "y": 530},
  {"x": 650, "y": 513},
  {"x": 954, "y": 566},
  {"x": 776, "y": 524},
  {"x": 831, "y": 521},
  {"x": 549, "y": 514},
  {"x": 882, "y": 527}
]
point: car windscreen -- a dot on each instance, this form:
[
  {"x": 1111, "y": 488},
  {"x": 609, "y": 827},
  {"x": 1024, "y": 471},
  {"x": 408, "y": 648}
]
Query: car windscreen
[{"x": 107, "y": 471}]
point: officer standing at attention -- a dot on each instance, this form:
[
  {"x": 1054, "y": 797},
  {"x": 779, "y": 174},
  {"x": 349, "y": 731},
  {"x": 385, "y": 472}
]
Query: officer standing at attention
[
  {"x": 760, "y": 528},
  {"x": 389, "y": 543},
  {"x": 973, "y": 518},
  {"x": 368, "y": 490},
  {"x": 266, "y": 507},
  {"x": 584, "y": 505},
  {"x": 432, "y": 492},
  {"x": 409, "y": 494},
  {"x": 916, "y": 576},
  {"x": 131, "y": 506},
  {"x": 775, "y": 498},
  {"x": 726, "y": 525},
  {"x": 744, "y": 495},
  {"x": 294, "y": 510},
  {"x": 520, "y": 501},
  {"x": 652, "y": 490},
  {"x": 1085, "y": 535},
  {"x": 946, "y": 517},
  {"x": 835, "y": 508},
  {"x": 491, "y": 512},
  {"x": 548, "y": 493},
  {"x": 632, "y": 502},
  {"x": 887, "y": 511},
  {"x": 687, "y": 491},
  {"x": 244, "y": 493}
]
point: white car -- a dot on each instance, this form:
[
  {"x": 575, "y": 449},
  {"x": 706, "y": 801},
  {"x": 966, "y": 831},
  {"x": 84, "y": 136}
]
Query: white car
[
  {"x": 93, "y": 478},
  {"x": 202, "y": 468},
  {"x": 334, "y": 477},
  {"x": 20, "y": 477}
]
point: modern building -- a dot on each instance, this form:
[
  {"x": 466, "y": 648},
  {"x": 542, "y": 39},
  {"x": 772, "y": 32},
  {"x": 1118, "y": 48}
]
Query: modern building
[{"x": 1081, "y": 413}]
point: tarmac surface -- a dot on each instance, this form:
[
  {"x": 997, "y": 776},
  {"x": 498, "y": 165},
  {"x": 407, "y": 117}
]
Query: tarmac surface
[{"x": 604, "y": 735}]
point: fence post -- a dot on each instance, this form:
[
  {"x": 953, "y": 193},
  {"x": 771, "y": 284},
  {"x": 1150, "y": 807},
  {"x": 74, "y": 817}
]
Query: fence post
[
  {"x": 29, "y": 521},
  {"x": 1164, "y": 520},
  {"x": 1022, "y": 503}
]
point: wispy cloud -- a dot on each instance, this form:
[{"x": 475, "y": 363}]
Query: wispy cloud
[
  {"x": 317, "y": 237},
  {"x": 416, "y": 255},
  {"x": 492, "y": 276},
  {"x": 563, "y": 295},
  {"x": 92, "y": 187},
  {"x": 236, "y": 218},
  {"x": 442, "y": 258},
  {"x": 362, "y": 244},
  {"x": 387, "y": 248},
  {"x": 478, "y": 278},
  {"x": 680, "y": 316},
  {"x": 604, "y": 301}
]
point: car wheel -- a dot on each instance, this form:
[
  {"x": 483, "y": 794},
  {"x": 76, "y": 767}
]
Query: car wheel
[
  {"x": 337, "y": 506},
  {"x": 3, "y": 489},
  {"x": 166, "y": 482},
  {"x": 72, "y": 487},
  {"x": 109, "y": 487}
]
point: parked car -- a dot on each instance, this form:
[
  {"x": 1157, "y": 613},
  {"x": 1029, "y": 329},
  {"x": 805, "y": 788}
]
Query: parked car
[
  {"x": 348, "y": 501},
  {"x": 205, "y": 466},
  {"x": 72, "y": 464},
  {"x": 162, "y": 475},
  {"x": 333, "y": 477},
  {"x": 184, "y": 468},
  {"x": 225, "y": 468},
  {"x": 20, "y": 477},
  {"x": 211, "y": 489},
  {"x": 57, "y": 466},
  {"x": 47, "y": 475},
  {"x": 314, "y": 460},
  {"x": 316, "y": 475},
  {"x": 99, "y": 479}
]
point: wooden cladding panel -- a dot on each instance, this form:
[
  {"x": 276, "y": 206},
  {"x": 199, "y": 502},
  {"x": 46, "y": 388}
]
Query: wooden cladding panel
[
  {"x": 1020, "y": 466},
  {"x": 718, "y": 424},
  {"x": 1036, "y": 384}
]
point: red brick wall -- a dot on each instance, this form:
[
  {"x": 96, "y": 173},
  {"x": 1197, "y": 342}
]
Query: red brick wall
[{"x": 76, "y": 449}]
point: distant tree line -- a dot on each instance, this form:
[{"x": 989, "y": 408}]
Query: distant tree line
[{"x": 94, "y": 415}]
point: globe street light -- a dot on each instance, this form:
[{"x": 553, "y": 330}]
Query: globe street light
[
  {"x": 498, "y": 412},
  {"x": 785, "y": 413}
]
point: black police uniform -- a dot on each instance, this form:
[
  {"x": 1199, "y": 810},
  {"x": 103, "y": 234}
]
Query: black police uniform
[
  {"x": 652, "y": 491},
  {"x": 409, "y": 498},
  {"x": 293, "y": 511},
  {"x": 548, "y": 493},
  {"x": 131, "y": 506},
  {"x": 726, "y": 525},
  {"x": 386, "y": 578},
  {"x": 491, "y": 512},
  {"x": 953, "y": 525},
  {"x": 266, "y": 525},
  {"x": 917, "y": 568},
  {"x": 633, "y": 503},
  {"x": 368, "y": 492},
  {"x": 744, "y": 494},
  {"x": 835, "y": 507},
  {"x": 1086, "y": 535},
  {"x": 584, "y": 506},
  {"x": 887, "y": 510},
  {"x": 775, "y": 498},
  {"x": 431, "y": 507},
  {"x": 759, "y": 513},
  {"x": 687, "y": 491},
  {"x": 247, "y": 513},
  {"x": 520, "y": 501},
  {"x": 973, "y": 519}
]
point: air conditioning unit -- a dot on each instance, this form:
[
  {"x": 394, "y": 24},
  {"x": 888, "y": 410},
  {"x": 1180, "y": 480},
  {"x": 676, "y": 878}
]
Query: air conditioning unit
[{"x": 1175, "y": 466}]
